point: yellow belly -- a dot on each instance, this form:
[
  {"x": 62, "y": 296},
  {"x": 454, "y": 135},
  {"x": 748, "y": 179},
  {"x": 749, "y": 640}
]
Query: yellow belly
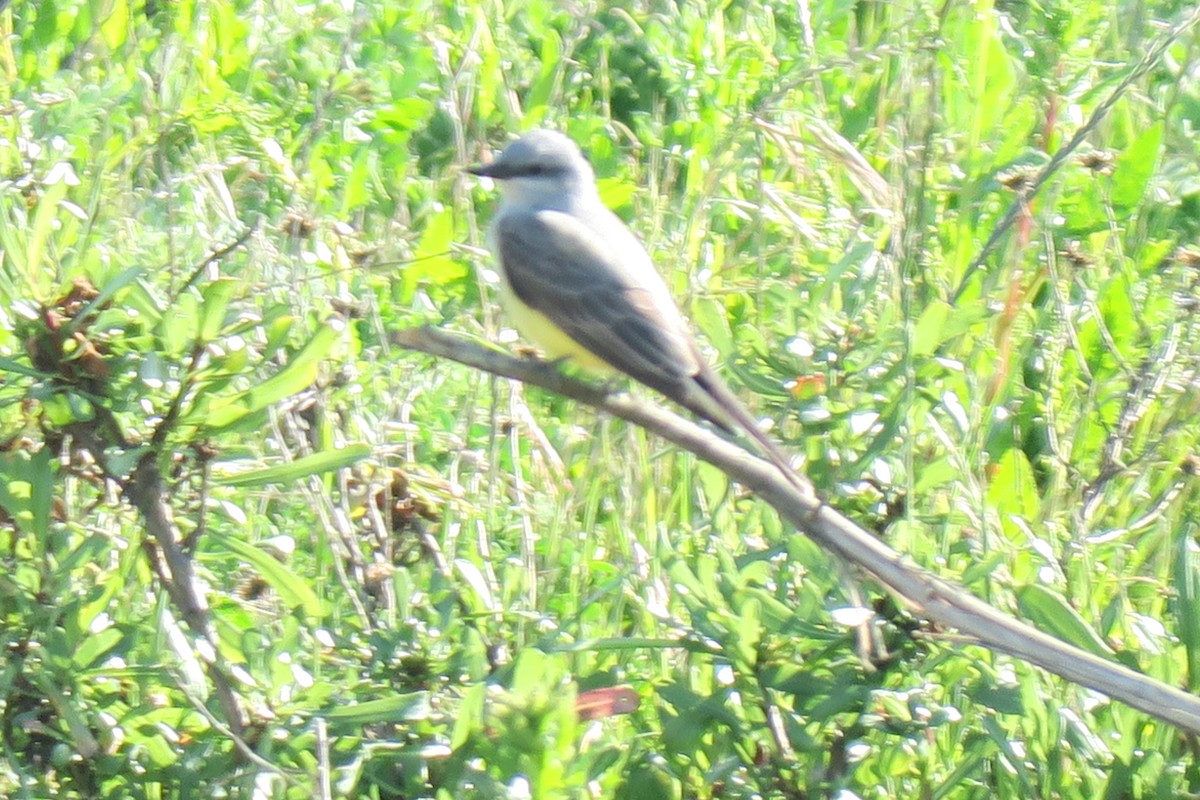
[{"x": 538, "y": 330}]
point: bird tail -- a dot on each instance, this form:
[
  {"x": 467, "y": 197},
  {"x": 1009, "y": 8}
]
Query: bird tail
[{"x": 720, "y": 406}]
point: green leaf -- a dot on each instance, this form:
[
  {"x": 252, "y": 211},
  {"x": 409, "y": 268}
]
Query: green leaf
[
  {"x": 400, "y": 708},
  {"x": 37, "y": 275},
  {"x": 45, "y": 30},
  {"x": 1012, "y": 488},
  {"x": 93, "y": 647},
  {"x": 474, "y": 578},
  {"x": 41, "y": 494},
  {"x": 1001, "y": 698},
  {"x": 710, "y": 317},
  {"x": 930, "y": 330},
  {"x": 1187, "y": 605},
  {"x": 433, "y": 262},
  {"x": 1120, "y": 317},
  {"x": 278, "y": 330},
  {"x": 936, "y": 473},
  {"x": 1051, "y": 612},
  {"x": 80, "y": 734},
  {"x": 649, "y": 781},
  {"x": 115, "y": 25},
  {"x": 8, "y": 365},
  {"x": 15, "y": 491},
  {"x": 293, "y": 590},
  {"x": 746, "y": 633},
  {"x": 216, "y": 300},
  {"x": 106, "y": 294},
  {"x": 177, "y": 330},
  {"x": 616, "y": 193},
  {"x": 115, "y": 582},
  {"x": 1135, "y": 167},
  {"x": 292, "y": 471},
  {"x": 539, "y": 95},
  {"x": 299, "y": 374}
]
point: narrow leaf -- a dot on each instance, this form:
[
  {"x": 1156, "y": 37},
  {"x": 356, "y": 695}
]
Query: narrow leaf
[
  {"x": 400, "y": 708},
  {"x": 1051, "y": 612},
  {"x": 292, "y": 471},
  {"x": 298, "y": 375},
  {"x": 290, "y": 587}
]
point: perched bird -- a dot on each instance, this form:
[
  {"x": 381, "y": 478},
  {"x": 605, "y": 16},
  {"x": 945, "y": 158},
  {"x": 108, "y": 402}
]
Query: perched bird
[{"x": 577, "y": 283}]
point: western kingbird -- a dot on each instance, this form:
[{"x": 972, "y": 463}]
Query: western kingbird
[{"x": 577, "y": 283}]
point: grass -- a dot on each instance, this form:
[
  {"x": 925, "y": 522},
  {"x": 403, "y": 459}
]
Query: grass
[{"x": 418, "y": 577}]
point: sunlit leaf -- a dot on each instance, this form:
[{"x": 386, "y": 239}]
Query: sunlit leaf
[
  {"x": 399, "y": 708},
  {"x": 1135, "y": 166},
  {"x": 95, "y": 647},
  {"x": 292, "y": 471},
  {"x": 292, "y": 590},
  {"x": 299, "y": 374},
  {"x": 1051, "y": 612},
  {"x": 216, "y": 300},
  {"x": 433, "y": 262}
]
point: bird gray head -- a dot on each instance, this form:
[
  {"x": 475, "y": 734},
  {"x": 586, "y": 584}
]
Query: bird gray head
[{"x": 541, "y": 156}]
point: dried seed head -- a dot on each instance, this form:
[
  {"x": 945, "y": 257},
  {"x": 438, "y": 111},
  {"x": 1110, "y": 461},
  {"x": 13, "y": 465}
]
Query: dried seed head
[
  {"x": 1017, "y": 179},
  {"x": 1101, "y": 162},
  {"x": 1188, "y": 257},
  {"x": 1075, "y": 256}
]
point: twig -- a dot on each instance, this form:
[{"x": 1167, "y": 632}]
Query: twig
[
  {"x": 243, "y": 747},
  {"x": 1014, "y": 211},
  {"x": 324, "y": 764},
  {"x": 210, "y": 257},
  {"x": 147, "y": 492},
  {"x": 944, "y": 603}
]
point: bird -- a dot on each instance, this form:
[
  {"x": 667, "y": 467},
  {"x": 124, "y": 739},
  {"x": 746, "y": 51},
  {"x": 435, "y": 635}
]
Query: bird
[{"x": 577, "y": 282}]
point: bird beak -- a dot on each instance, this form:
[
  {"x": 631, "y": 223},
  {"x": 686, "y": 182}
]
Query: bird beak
[{"x": 497, "y": 170}]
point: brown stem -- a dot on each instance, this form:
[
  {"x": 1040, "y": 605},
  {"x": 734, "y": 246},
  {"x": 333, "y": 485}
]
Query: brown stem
[{"x": 147, "y": 492}]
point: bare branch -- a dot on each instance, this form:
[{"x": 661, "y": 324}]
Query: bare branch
[
  {"x": 942, "y": 602},
  {"x": 147, "y": 492}
]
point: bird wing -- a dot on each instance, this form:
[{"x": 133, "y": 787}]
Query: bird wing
[{"x": 596, "y": 283}]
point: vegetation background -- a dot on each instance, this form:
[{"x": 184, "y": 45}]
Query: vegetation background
[{"x": 421, "y": 579}]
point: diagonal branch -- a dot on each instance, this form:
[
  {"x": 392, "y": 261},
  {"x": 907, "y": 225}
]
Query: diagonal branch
[
  {"x": 938, "y": 600},
  {"x": 1148, "y": 62}
]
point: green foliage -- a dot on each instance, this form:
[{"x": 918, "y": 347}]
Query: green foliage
[{"x": 427, "y": 583}]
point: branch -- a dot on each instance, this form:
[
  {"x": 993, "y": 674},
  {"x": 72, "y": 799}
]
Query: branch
[
  {"x": 147, "y": 492},
  {"x": 213, "y": 255},
  {"x": 1148, "y": 62},
  {"x": 944, "y": 603}
]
